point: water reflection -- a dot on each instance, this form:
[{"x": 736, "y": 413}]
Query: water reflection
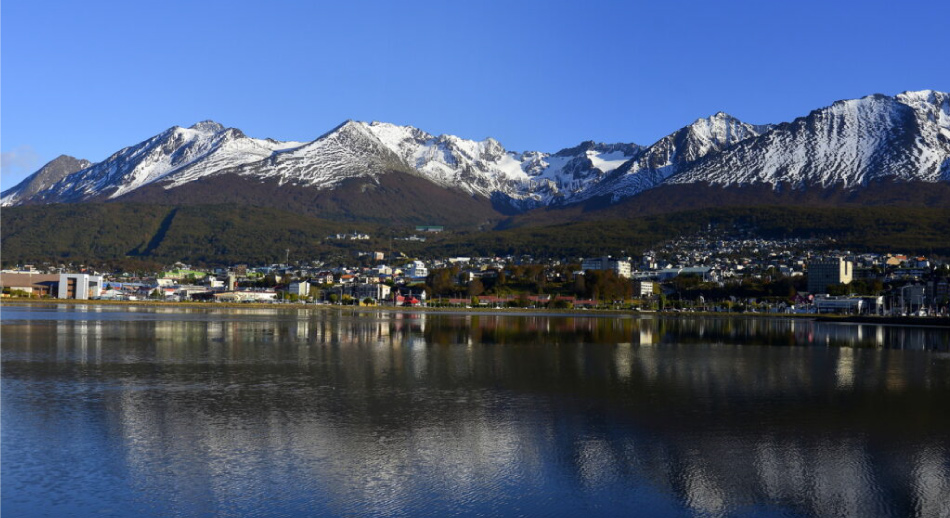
[{"x": 302, "y": 413}]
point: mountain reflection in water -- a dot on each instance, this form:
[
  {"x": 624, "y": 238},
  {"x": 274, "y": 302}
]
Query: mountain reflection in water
[{"x": 286, "y": 412}]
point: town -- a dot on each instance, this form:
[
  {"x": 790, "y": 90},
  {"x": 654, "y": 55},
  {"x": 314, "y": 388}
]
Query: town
[{"x": 713, "y": 272}]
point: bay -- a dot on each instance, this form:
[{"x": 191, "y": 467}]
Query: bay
[{"x": 125, "y": 411}]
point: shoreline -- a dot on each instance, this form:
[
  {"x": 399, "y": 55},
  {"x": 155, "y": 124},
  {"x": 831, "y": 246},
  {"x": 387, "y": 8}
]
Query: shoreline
[{"x": 844, "y": 319}]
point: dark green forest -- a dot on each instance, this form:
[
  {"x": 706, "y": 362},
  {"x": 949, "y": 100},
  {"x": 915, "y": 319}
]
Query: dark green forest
[{"x": 120, "y": 233}]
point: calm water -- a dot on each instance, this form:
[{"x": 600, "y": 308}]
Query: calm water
[{"x": 160, "y": 412}]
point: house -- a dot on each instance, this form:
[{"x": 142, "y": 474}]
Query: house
[
  {"x": 373, "y": 291},
  {"x": 382, "y": 270},
  {"x": 417, "y": 270},
  {"x": 409, "y": 298},
  {"x": 323, "y": 278}
]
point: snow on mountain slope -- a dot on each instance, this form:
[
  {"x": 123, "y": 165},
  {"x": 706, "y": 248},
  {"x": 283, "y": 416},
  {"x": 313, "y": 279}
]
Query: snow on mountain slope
[
  {"x": 475, "y": 167},
  {"x": 486, "y": 168},
  {"x": 229, "y": 148},
  {"x": 194, "y": 151},
  {"x": 846, "y": 144},
  {"x": 573, "y": 172},
  {"x": 347, "y": 151},
  {"x": 933, "y": 119},
  {"x": 906, "y": 137},
  {"x": 673, "y": 152}
]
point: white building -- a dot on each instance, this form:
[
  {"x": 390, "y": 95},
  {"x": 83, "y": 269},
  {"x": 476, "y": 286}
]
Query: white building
[
  {"x": 620, "y": 266},
  {"x": 80, "y": 286},
  {"x": 245, "y": 296},
  {"x": 301, "y": 289},
  {"x": 382, "y": 270},
  {"x": 643, "y": 288},
  {"x": 417, "y": 270}
]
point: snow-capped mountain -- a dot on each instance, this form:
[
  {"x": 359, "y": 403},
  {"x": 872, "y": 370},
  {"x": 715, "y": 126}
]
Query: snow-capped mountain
[
  {"x": 354, "y": 149},
  {"x": 189, "y": 153},
  {"x": 674, "y": 152},
  {"x": 347, "y": 151},
  {"x": 848, "y": 144},
  {"x": 485, "y": 168}
]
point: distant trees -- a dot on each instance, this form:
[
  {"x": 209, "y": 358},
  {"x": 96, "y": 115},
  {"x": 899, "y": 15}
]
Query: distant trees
[
  {"x": 314, "y": 293},
  {"x": 866, "y": 287},
  {"x": 580, "y": 285},
  {"x": 475, "y": 288},
  {"x": 442, "y": 281},
  {"x": 603, "y": 285}
]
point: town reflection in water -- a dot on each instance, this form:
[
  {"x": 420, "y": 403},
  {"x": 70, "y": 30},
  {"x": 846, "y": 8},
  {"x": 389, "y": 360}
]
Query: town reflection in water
[{"x": 370, "y": 412}]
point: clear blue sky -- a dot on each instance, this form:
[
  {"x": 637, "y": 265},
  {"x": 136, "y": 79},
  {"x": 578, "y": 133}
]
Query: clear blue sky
[{"x": 88, "y": 78}]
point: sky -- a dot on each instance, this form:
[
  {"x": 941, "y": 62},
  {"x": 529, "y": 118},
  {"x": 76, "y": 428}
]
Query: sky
[{"x": 89, "y": 78}]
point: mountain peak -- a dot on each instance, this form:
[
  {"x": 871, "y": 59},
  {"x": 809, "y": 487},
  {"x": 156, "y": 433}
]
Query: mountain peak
[
  {"x": 348, "y": 126},
  {"x": 920, "y": 94},
  {"x": 209, "y": 126},
  {"x": 66, "y": 159},
  {"x": 718, "y": 117},
  {"x": 52, "y": 172}
]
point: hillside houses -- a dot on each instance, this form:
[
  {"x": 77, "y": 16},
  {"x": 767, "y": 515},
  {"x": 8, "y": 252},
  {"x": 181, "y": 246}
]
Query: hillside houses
[{"x": 693, "y": 271}]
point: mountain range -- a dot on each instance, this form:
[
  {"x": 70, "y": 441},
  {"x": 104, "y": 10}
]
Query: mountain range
[{"x": 384, "y": 172}]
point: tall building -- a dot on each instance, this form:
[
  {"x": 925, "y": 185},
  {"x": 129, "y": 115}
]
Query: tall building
[
  {"x": 825, "y": 272},
  {"x": 620, "y": 266},
  {"x": 79, "y": 286}
]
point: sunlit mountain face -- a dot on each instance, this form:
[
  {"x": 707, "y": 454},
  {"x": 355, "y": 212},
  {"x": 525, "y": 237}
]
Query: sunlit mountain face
[{"x": 848, "y": 145}]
